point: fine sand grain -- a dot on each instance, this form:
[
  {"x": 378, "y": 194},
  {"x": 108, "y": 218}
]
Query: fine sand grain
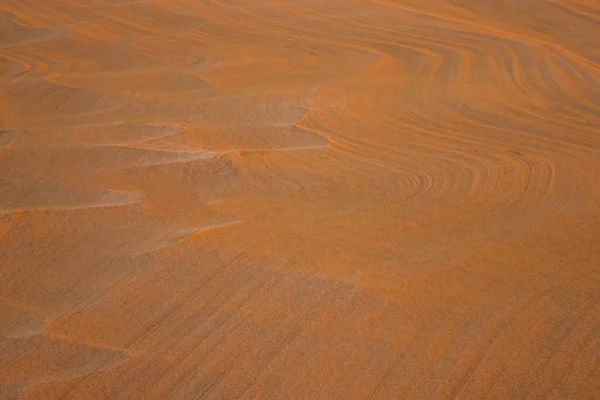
[{"x": 299, "y": 199}]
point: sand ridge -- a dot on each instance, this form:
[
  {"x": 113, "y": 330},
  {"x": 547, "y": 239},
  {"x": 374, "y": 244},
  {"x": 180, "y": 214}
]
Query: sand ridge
[{"x": 299, "y": 199}]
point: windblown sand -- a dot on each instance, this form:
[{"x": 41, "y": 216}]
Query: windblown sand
[{"x": 299, "y": 199}]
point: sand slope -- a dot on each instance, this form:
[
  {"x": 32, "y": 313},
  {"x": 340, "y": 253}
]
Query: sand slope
[{"x": 382, "y": 199}]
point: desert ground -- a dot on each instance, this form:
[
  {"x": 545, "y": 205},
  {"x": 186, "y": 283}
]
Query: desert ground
[{"x": 299, "y": 199}]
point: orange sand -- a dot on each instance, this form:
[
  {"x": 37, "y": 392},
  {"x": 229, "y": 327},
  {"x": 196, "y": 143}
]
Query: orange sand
[{"x": 299, "y": 199}]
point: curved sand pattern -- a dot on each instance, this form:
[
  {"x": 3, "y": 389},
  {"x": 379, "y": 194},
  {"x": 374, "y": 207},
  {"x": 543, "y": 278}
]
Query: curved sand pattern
[{"x": 299, "y": 199}]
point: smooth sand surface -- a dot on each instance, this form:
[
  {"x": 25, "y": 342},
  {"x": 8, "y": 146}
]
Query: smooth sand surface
[{"x": 300, "y": 199}]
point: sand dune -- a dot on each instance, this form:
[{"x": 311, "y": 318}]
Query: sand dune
[{"x": 351, "y": 199}]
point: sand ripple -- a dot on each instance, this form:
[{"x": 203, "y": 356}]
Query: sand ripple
[{"x": 299, "y": 199}]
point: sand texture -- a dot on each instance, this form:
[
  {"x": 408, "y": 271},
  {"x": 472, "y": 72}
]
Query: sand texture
[{"x": 299, "y": 199}]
